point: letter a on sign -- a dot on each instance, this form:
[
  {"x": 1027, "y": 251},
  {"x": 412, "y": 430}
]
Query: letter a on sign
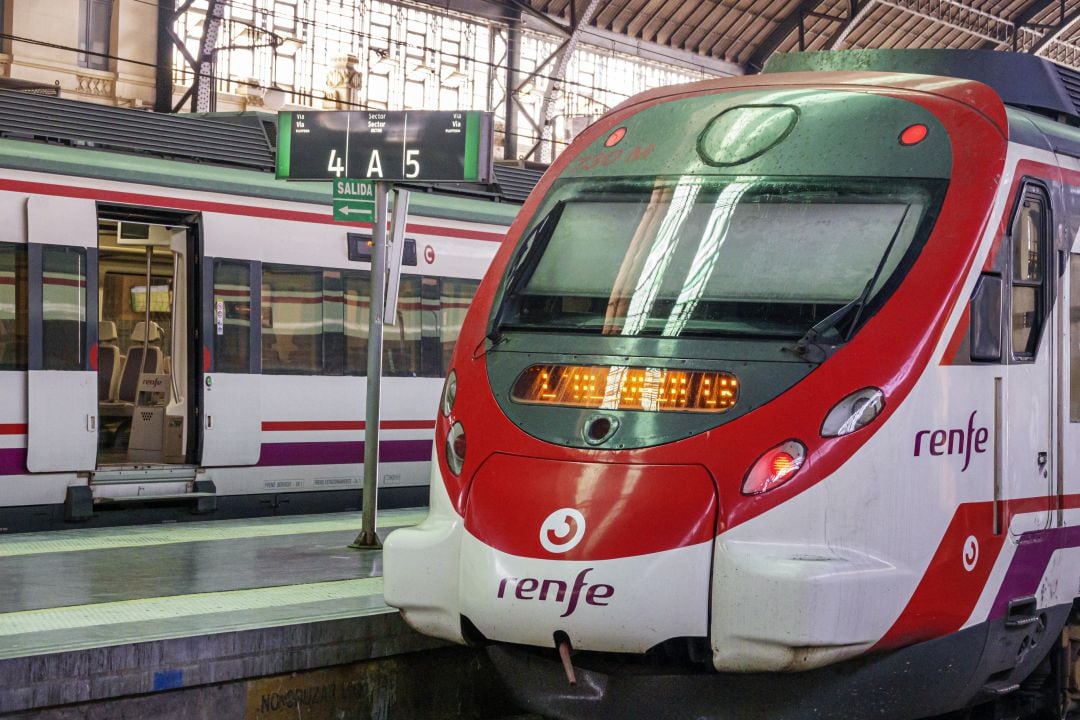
[{"x": 374, "y": 165}]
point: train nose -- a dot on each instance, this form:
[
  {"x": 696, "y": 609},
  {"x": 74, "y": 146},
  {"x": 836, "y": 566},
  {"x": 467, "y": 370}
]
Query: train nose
[{"x": 616, "y": 556}]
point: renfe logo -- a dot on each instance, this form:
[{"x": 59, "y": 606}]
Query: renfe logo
[
  {"x": 555, "y": 591},
  {"x": 957, "y": 441},
  {"x": 562, "y": 530}
]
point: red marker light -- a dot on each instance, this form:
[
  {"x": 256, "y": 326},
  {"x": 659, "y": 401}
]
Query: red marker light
[
  {"x": 614, "y": 138},
  {"x": 913, "y": 134},
  {"x": 782, "y": 463}
]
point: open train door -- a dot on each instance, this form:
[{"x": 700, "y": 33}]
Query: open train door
[
  {"x": 62, "y": 379},
  {"x": 1030, "y": 399},
  {"x": 231, "y": 417}
]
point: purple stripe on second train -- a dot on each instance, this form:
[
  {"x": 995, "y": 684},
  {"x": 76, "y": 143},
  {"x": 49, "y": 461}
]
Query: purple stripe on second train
[
  {"x": 334, "y": 453},
  {"x": 1029, "y": 563},
  {"x": 13, "y": 461}
]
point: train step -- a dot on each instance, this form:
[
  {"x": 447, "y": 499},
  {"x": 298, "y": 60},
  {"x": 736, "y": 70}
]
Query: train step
[{"x": 81, "y": 500}]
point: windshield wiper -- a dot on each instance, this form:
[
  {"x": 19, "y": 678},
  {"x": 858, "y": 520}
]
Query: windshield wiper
[
  {"x": 524, "y": 257},
  {"x": 814, "y": 336}
]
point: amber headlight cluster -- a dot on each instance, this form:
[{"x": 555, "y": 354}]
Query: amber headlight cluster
[{"x": 627, "y": 388}]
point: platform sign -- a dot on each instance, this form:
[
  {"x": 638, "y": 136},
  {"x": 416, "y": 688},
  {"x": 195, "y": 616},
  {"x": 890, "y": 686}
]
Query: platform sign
[
  {"x": 354, "y": 200},
  {"x": 383, "y": 145}
]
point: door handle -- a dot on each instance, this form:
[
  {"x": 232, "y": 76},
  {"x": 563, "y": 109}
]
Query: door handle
[
  {"x": 209, "y": 422},
  {"x": 1041, "y": 459},
  {"x": 91, "y": 423}
]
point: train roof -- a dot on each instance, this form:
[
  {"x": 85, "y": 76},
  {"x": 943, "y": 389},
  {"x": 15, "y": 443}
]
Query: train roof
[
  {"x": 1042, "y": 98},
  {"x": 232, "y": 153},
  {"x": 1020, "y": 79}
]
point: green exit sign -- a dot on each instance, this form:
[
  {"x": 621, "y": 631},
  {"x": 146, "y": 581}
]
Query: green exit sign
[{"x": 354, "y": 200}]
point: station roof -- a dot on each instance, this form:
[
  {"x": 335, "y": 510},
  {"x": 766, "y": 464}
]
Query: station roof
[{"x": 748, "y": 32}]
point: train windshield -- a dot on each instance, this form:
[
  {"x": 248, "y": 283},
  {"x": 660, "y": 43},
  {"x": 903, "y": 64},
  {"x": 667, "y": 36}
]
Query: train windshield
[{"x": 710, "y": 256}]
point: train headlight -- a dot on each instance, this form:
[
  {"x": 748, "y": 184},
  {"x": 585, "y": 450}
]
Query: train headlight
[
  {"x": 455, "y": 448},
  {"x": 449, "y": 394},
  {"x": 853, "y": 412},
  {"x": 774, "y": 468}
]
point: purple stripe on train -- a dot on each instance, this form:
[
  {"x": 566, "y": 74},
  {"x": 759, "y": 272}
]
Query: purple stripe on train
[
  {"x": 335, "y": 453},
  {"x": 1029, "y": 564},
  {"x": 12, "y": 461}
]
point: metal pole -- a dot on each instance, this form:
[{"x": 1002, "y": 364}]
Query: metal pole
[{"x": 367, "y": 537}]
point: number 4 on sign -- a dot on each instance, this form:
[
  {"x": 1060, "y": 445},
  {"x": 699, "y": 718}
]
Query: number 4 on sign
[{"x": 335, "y": 165}]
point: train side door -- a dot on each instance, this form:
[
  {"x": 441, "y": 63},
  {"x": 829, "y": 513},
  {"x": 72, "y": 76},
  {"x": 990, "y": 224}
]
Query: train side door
[
  {"x": 62, "y": 381},
  {"x": 1029, "y": 456},
  {"x": 232, "y": 407}
]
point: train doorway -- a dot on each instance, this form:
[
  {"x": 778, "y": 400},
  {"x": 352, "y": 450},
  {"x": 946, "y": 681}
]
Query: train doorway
[{"x": 146, "y": 323}]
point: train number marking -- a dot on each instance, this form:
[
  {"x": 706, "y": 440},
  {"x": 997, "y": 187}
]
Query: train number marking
[
  {"x": 562, "y": 530},
  {"x": 585, "y": 163},
  {"x": 971, "y": 553}
]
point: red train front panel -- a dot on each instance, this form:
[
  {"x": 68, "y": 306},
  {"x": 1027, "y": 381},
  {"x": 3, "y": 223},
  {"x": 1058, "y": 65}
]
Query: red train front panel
[{"x": 707, "y": 389}]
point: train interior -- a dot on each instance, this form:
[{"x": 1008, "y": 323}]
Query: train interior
[{"x": 142, "y": 356}]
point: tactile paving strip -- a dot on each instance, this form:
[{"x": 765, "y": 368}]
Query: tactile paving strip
[{"x": 142, "y": 536}]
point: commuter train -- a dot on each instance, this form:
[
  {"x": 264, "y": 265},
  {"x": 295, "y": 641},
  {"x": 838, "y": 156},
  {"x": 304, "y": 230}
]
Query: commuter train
[
  {"x": 179, "y": 330},
  {"x": 772, "y": 405}
]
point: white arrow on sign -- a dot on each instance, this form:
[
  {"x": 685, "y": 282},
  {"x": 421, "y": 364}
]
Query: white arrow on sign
[{"x": 347, "y": 210}]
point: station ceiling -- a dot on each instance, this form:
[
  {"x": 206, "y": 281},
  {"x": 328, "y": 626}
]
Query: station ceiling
[{"x": 747, "y": 32}]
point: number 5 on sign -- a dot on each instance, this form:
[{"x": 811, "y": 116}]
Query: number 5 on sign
[
  {"x": 412, "y": 163},
  {"x": 335, "y": 165}
]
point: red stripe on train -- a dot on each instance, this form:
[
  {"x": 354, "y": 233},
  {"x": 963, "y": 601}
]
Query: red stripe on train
[
  {"x": 951, "y": 586},
  {"x": 13, "y": 428},
  {"x": 131, "y": 198}
]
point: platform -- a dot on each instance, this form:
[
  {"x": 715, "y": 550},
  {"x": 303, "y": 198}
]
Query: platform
[{"x": 249, "y": 617}]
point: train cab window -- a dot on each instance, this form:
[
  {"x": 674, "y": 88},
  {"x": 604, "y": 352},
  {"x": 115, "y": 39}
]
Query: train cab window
[
  {"x": 1030, "y": 232},
  {"x": 292, "y": 320},
  {"x": 63, "y": 308},
  {"x": 13, "y": 307},
  {"x": 232, "y": 316}
]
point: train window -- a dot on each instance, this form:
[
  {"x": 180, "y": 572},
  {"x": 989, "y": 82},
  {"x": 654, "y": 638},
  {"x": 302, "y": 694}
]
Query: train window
[
  {"x": 333, "y": 322},
  {"x": 431, "y": 364},
  {"x": 357, "y": 302},
  {"x": 1074, "y": 338},
  {"x": 13, "y": 307},
  {"x": 401, "y": 341},
  {"x": 457, "y": 294},
  {"x": 292, "y": 320},
  {"x": 232, "y": 316},
  {"x": 1029, "y": 235},
  {"x": 63, "y": 311}
]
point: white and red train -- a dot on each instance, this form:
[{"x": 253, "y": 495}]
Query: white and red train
[
  {"x": 772, "y": 405},
  {"x": 259, "y": 417}
]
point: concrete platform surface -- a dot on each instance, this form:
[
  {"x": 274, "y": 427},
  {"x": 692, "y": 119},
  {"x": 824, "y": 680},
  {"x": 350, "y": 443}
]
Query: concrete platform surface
[{"x": 132, "y": 616}]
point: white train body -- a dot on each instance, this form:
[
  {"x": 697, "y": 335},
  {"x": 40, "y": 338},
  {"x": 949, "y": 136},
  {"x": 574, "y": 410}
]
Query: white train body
[
  {"x": 270, "y": 413},
  {"x": 884, "y": 521}
]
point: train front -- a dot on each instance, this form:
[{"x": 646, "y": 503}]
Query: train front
[{"x": 673, "y": 438}]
